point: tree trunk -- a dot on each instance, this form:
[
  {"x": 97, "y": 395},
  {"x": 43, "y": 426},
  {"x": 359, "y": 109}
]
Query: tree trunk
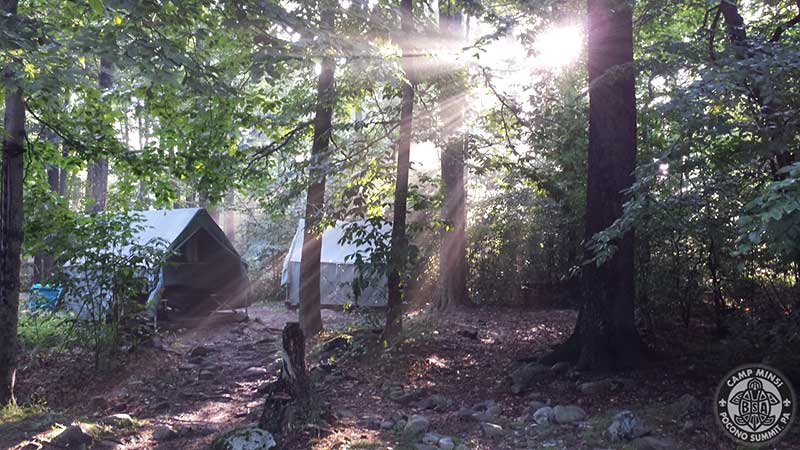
[
  {"x": 42, "y": 261},
  {"x": 289, "y": 397},
  {"x": 310, "y": 296},
  {"x": 11, "y": 221},
  {"x": 452, "y": 106},
  {"x": 605, "y": 336},
  {"x": 97, "y": 172},
  {"x": 399, "y": 243}
]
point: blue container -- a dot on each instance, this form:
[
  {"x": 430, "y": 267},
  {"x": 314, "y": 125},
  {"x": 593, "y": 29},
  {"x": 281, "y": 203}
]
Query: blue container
[{"x": 43, "y": 297}]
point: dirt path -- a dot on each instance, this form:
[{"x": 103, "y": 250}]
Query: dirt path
[
  {"x": 199, "y": 378},
  {"x": 205, "y": 378}
]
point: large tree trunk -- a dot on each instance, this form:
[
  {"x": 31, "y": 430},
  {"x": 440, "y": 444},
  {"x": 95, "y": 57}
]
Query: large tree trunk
[
  {"x": 13, "y": 161},
  {"x": 310, "y": 296},
  {"x": 605, "y": 335},
  {"x": 452, "y": 106},
  {"x": 399, "y": 243},
  {"x": 97, "y": 172}
]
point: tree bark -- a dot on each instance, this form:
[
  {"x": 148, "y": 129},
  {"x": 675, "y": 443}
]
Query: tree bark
[
  {"x": 605, "y": 335},
  {"x": 399, "y": 242},
  {"x": 452, "y": 106},
  {"x": 11, "y": 220},
  {"x": 97, "y": 172},
  {"x": 310, "y": 295},
  {"x": 290, "y": 395}
]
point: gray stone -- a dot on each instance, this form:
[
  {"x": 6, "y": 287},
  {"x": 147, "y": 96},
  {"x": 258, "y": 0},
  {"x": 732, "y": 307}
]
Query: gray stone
[
  {"x": 387, "y": 424},
  {"x": 425, "y": 447},
  {"x": 416, "y": 425},
  {"x": 446, "y": 443},
  {"x": 560, "y": 367},
  {"x": 626, "y": 426},
  {"x": 689, "y": 426},
  {"x": 567, "y": 414},
  {"x": 461, "y": 447},
  {"x": 254, "y": 372},
  {"x": 684, "y": 406},
  {"x": 653, "y": 443},
  {"x": 491, "y": 430},
  {"x": 596, "y": 387},
  {"x": 74, "y": 436},
  {"x": 118, "y": 421},
  {"x": 523, "y": 377},
  {"x": 164, "y": 433},
  {"x": 205, "y": 374},
  {"x": 431, "y": 438},
  {"x": 464, "y": 413},
  {"x": 542, "y": 415},
  {"x": 248, "y": 438}
]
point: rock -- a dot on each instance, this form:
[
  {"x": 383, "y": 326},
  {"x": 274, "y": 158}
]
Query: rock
[
  {"x": 425, "y": 447},
  {"x": 542, "y": 415},
  {"x": 688, "y": 426},
  {"x": 491, "y": 430},
  {"x": 98, "y": 403},
  {"x": 567, "y": 414},
  {"x": 440, "y": 402},
  {"x": 431, "y": 438},
  {"x": 535, "y": 406},
  {"x": 118, "y": 421},
  {"x": 446, "y": 443},
  {"x": 254, "y": 372},
  {"x": 201, "y": 351},
  {"x": 406, "y": 396},
  {"x": 248, "y": 438},
  {"x": 461, "y": 447},
  {"x": 74, "y": 436},
  {"x": 464, "y": 413},
  {"x": 164, "y": 433},
  {"x": 626, "y": 426},
  {"x": 596, "y": 387},
  {"x": 560, "y": 367},
  {"x": 486, "y": 411},
  {"x": 523, "y": 377},
  {"x": 684, "y": 406},
  {"x": 387, "y": 424},
  {"x": 416, "y": 425},
  {"x": 205, "y": 374},
  {"x": 652, "y": 443}
]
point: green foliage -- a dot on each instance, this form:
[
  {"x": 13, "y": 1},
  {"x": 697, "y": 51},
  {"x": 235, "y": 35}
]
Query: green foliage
[{"x": 41, "y": 331}]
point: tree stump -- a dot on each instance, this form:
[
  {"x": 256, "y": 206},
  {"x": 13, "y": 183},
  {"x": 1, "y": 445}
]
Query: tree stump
[{"x": 288, "y": 398}]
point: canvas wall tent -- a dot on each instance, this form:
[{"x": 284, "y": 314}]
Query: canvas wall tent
[
  {"x": 204, "y": 272},
  {"x": 336, "y": 270}
]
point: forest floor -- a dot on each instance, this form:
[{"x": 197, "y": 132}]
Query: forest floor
[{"x": 204, "y": 377}]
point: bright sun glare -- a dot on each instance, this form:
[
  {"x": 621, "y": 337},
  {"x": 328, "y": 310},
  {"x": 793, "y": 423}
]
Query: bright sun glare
[{"x": 559, "y": 46}]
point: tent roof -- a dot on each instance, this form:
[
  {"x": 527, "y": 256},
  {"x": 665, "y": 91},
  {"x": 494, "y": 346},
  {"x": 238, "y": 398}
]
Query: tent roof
[
  {"x": 166, "y": 224},
  {"x": 175, "y": 226},
  {"x": 332, "y": 251}
]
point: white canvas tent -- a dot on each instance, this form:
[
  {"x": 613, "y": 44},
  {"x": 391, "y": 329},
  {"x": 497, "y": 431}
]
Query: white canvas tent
[
  {"x": 337, "y": 271},
  {"x": 204, "y": 272}
]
